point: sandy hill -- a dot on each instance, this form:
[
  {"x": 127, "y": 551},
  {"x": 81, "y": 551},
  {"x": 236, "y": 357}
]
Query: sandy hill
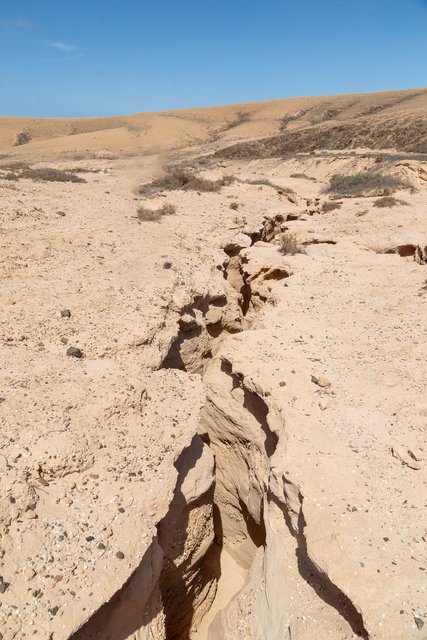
[
  {"x": 345, "y": 120},
  {"x": 213, "y": 381}
]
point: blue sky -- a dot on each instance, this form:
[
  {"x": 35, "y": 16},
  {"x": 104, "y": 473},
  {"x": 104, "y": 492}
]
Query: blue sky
[{"x": 117, "y": 57}]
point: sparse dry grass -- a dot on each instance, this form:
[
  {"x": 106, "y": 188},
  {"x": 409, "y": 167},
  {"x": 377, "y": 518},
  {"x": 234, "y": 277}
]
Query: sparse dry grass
[
  {"x": 180, "y": 180},
  {"x": 154, "y": 215},
  {"x": 289, "y": 244},
  {"x": 365, "y": 184}
]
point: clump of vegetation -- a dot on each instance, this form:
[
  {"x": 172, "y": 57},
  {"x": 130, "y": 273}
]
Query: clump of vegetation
[
  {"x": 268, "y": 183},
  {"x": 154, "y": 215},
  {"x": 364, "y": 184},
  {"x": 289, "y": 244},
  {"x": 180, "y": 180},
  {"x": 18, "y": 170},
  {"x": 14, "y": 166},
  {"x": 22, "y": 137},
  {"x": 303, "y": 176},
  {"x": 329, "y": 205},
  {"x": 234, "y": 206},
  {"x": 47, "y": 174},
  {"x": 386, "y": 201},
  {"x": 10, "y": 176},
  {"x": 240, "y": 118}
]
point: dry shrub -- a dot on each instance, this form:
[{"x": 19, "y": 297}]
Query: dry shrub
[
  {"x": 50, "y": 175},
  {"x": 268, "y": 183},
  {"x": 22, "y": 137},
  {"x": 180, "y": 180},
  {"x": 14, "y": 166},
  {"x": 330, "y": 206},
  {"x": 10, "y": 176},
  {"x": 365, "y": 183},
  {"x": 386, "y": 201},
  {"x": 240, "y": 118},
  {"x": 289, "y": 244},
  {"x": 303, "y": 176},
  {"x": 154, "y": 215}
]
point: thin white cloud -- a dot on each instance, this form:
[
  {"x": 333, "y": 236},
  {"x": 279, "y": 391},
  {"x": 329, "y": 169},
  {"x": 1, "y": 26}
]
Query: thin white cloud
[
  {"x": 20, "y": 23},
  {"x": 62, "y": 46}
]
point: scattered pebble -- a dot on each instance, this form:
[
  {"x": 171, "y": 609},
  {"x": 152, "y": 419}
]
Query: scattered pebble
[
  {"x": 65, "y": 313},
  {"x": 75, "y": 352},
  {"x": 321, "y": 381},
  {"x": 3, "y": 585},
  {"x": 419, "y": 622}
]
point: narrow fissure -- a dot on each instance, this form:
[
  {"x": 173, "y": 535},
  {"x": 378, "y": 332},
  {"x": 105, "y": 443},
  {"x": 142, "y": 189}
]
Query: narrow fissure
[
  {"x": 325, "y": 589},
  {"x": 199, "y": 545}
]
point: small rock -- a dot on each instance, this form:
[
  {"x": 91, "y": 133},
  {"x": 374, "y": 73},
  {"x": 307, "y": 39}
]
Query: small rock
[
  {"x": 419, "y": 622},
  {"x": 321, "y": 381},
  {"x": 90, "y": 538},
  {"x": 2, "y": 399},
  {"x": 120, "y": 555},
  {"x": 53, "y": 611},
  {"x": 65, "y": 313},
  {"x": 3, "y": 585},
  {"x": 405, "y": 458},
  {"x": 282, "y": 384},
  {"x": 74, "y": 352},
  {"x": 101, "y": 546},
  {"x": 29, "y": 574},
  {"x": 167, "y": 265}
]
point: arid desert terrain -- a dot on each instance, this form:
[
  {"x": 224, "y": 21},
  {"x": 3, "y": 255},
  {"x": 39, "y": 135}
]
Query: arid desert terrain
[{"x": 213, "y": 375}]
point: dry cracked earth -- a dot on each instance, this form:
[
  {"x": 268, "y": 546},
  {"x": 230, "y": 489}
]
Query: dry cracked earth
[{"x": 213, "y": 420}]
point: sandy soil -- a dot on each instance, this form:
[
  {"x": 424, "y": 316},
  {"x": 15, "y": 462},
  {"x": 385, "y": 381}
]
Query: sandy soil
[{"x": 240, "y": 450}]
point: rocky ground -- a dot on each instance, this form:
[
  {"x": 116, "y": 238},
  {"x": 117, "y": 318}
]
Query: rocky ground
[{"x": 201, "y": 436}]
